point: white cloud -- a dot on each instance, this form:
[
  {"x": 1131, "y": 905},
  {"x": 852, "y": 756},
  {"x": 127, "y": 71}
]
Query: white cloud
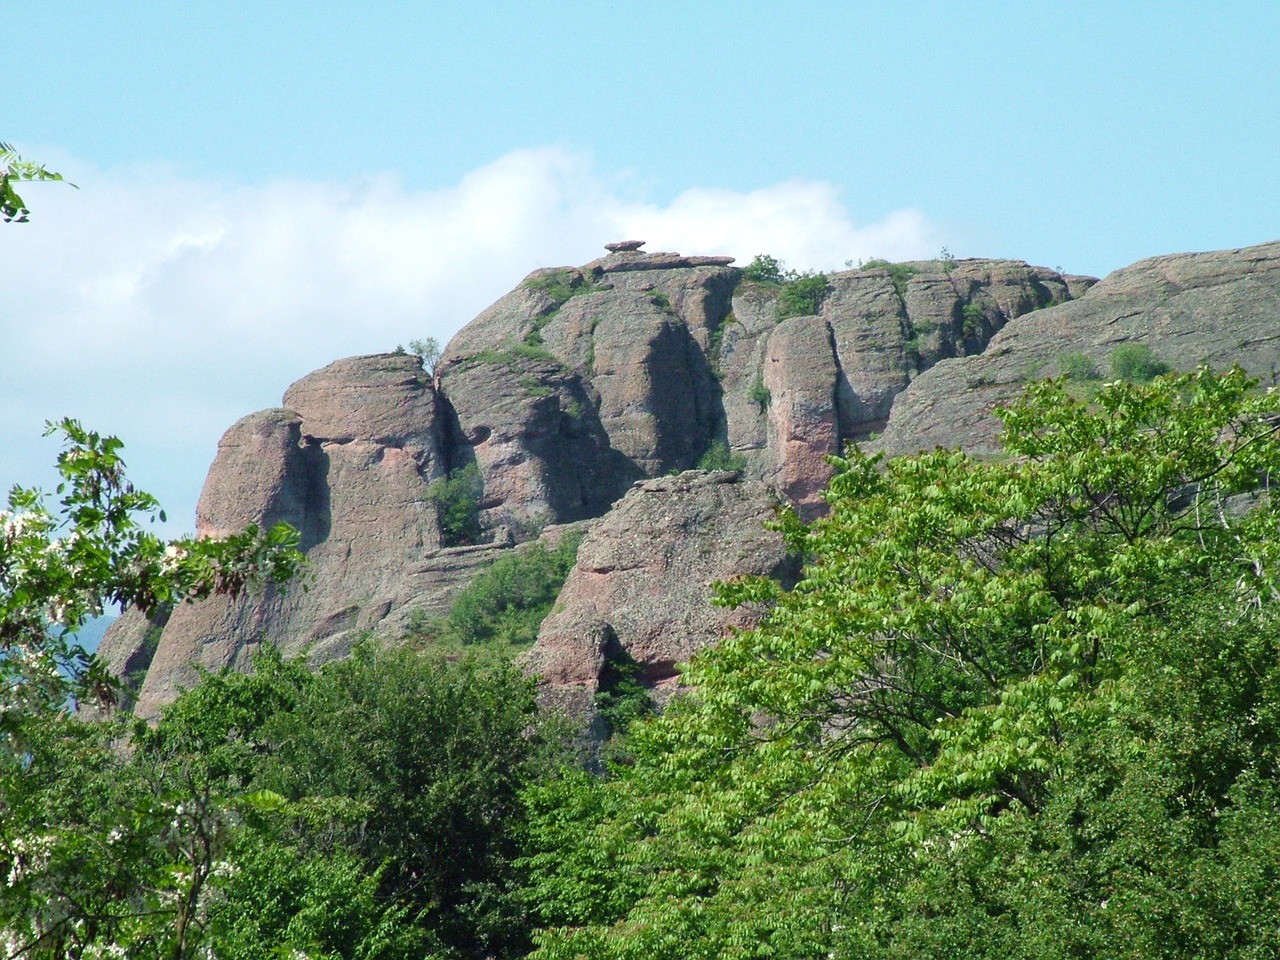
[{"x": 162, "y": 308}]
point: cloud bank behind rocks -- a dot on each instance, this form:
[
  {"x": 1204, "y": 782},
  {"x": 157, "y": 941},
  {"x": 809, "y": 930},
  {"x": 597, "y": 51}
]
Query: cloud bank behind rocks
[{"x": 162, "y": 309}]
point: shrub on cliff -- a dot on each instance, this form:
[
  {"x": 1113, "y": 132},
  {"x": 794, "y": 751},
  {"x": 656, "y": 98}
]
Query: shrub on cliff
[
  {"x": 799, "y": 294},
  {"x": 456, "y": 498},
  {"x": 1136, "y": 363},
  {"x": 506, "y": 604}
]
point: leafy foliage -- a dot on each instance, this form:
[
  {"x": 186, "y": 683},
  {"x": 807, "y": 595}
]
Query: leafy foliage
[
  {"x": 368, "y": 811},
  {"x": 428, "y": 351},
  {"x": 765, "y": 269},
  {"x": 980, "y": 726},
  {"x": 718, "y": 456},
  {"x": 560, "y": 286},
  {"x": 505, "y": 605},
  {"x": 57, "y": 569},
  {"x": 972, "y": 319},
  {"x": 456, "y": 498},
  {"x": 1078, "y": 366},
  {"x": 13, "y": 169},
  {"x": 800, "y": 294},
  {"x": 899, "y": 273},
  {"x": 417, "y": 766},
  {"x": 1136, "y": 363},
  {"x": 95, "y": 849},
  {"x": 621, "y": 698}
]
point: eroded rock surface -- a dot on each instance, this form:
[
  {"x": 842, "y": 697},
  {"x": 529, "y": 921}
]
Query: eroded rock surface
[
  {"x": 565, "y": 393},
  {"x": 641, "y": 588},
  {"x": 347, "y": 461},
  {"x": 1218, "y": 308}
]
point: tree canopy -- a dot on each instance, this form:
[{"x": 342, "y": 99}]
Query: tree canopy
[
  {"x": 1021, "y": 706},
  {"x": 1017, "y": 707}
]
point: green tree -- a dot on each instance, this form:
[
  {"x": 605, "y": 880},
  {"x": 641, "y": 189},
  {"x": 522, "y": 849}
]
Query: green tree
[
  {"x": 13, "y": 169},
  {"x": 977, "y": 727},
  {"x": 1137, "y": 363},
  {"x": 456, "y": 498},
  {"x": 417, "y": 766},
  {"x": 59, "y": 568},
  {"x": 90, "y": 852},
  {"x": 428, "y": 351}
]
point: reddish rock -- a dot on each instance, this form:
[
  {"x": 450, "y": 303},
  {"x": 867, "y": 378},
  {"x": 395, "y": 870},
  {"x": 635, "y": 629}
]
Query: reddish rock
[
  {"x": 349, "y": 465},
  {"x": 642, "y": 583}
]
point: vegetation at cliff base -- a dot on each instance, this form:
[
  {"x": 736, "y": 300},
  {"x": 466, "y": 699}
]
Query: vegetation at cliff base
[
  {"x": 1016, "y": 707},
  {"x": 504, "y": 605},
  {"x": 1137, "y": 363},
  {"x": 1027, "y": 707}
]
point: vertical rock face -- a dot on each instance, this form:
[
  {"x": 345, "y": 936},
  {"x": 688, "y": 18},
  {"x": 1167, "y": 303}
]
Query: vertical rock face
[
  {"x": 533, "y": 428},
  {"x": 348, "y": 462},
  {"x": 800, "y": 378},
  {"x": 1219, "y": 308},
  {"x": 797, "y": 390},
  {"x": 565, "y": 393}
]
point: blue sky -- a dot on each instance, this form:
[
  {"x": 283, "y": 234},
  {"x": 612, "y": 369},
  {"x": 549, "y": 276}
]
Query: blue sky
[{"x": 267, "y": 187}]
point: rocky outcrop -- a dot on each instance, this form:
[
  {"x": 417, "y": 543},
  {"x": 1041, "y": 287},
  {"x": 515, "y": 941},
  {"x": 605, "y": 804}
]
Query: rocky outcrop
[
  {"x": 670, "y": 353},
  {"x": 1220, "y": 308},
  {"x": 579, "y": 394},
  {"x": 563, "y": 394},
  {"x": 796, "y": 391},
  {"x": 641, "y": 588},
  {"x": 347, "y": 461},
  {"x": 533, "y": 427}
]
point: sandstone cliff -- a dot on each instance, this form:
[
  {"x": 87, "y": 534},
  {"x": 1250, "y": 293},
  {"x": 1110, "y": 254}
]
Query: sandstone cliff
[
  {"x": 1220, "y": 308},
  {"x": 578, "y": 393}
]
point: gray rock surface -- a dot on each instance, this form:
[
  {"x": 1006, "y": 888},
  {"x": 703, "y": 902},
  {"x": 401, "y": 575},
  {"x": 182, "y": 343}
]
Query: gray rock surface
[
  {"x": 1219, "y": 308},
  {"x": 642, "y": 583},
  {"x": 796, "y": 391},
  {"x": 534, "y": 429}
]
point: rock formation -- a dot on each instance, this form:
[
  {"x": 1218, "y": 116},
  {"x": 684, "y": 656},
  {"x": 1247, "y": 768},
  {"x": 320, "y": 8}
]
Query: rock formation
[
  {"x": 588, "y": 394},
  {"x": 1220, "y": 308},
  {"x": 641, "y": 588}
]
